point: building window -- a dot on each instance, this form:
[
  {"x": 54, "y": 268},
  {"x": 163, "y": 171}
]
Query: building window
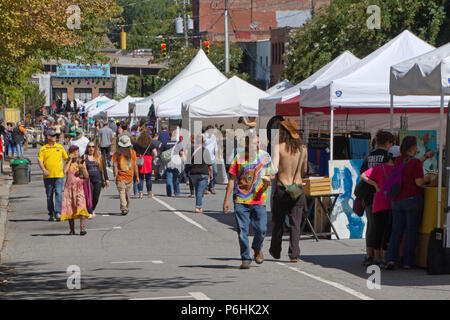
[{"x": 83, "y": 94}]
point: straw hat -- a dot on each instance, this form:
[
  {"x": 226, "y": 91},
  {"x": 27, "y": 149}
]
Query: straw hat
[{"x": 292, "y": 127}]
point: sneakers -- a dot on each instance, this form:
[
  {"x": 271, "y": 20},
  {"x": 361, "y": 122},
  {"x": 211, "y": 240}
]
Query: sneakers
[
  {"x": 293, "y": 260},
  {"x": 259, "y": 257},
  {"x": 368, "y": 261},
  {"x": 245, "y": 265},
  {"x": 58, "y": 217},
  {"x": 51, "y": 218},
  {"x": 124, "y": 212}
]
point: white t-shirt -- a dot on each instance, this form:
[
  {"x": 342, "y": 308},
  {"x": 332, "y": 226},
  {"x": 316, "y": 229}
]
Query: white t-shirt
[
  {"x": 81, "y": 143},
  {"x": 211, "y": 146}
]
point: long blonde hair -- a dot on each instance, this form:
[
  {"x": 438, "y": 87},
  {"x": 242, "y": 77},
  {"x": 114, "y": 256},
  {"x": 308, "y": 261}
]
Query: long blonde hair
[{"x": 97, "y": 156}]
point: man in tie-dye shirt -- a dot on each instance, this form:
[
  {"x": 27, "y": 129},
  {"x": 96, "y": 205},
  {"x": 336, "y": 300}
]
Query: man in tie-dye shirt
[{"x": 252, "y": 171}]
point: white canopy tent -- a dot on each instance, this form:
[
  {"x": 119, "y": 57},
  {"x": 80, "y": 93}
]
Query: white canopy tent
[
  {"x": 172, "y": 107},
  {"x": 88, "y": 106},
  {"x": 200, "y": 71},
  {"x": 120, "y": 110},
  {"x": 280, "y": 86},
  {"x": 227, "y": 101},
  {"x": 366, "y": 83},
  {"x": 426, "y": 75},
  {"x": 267, "y": 106},
  {"x": 94, "y": 113}
]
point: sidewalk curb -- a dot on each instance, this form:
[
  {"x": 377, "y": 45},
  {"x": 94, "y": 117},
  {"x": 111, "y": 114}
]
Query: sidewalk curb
[{"x": 7, "y": 181}]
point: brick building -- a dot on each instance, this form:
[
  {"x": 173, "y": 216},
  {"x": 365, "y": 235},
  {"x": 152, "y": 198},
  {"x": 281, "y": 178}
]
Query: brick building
[
  {"x": 261, "y": 27},
  {"x": 250, "y": 20}
]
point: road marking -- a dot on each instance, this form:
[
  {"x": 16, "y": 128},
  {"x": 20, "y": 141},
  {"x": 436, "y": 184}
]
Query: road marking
[
  {"x": 199, "y": 296},
  {"x": 105, "y": 229},
  {"x": 142, "y": 261},
  {"x": 163, "y": 298},
  {"x": 195, "y": 295},
  {"x": 182, "y": 216},
  {"x": 331, "y": 283}
]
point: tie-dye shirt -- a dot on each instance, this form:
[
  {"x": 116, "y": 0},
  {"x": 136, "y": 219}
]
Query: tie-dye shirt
[{"x": 250, "y": 186}]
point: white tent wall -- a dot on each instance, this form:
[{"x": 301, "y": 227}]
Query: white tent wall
[{"x": 267, "y": 106}]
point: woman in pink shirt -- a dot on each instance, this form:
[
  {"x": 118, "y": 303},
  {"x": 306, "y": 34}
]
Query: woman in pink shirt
[{"x": 381, "y": 209}]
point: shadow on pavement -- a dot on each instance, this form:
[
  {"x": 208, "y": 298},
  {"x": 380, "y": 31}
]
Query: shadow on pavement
[
  {"x": 211, "y": 266},
  {"x": 25, "y": 283},
  {"x": 352, "y": 263}
]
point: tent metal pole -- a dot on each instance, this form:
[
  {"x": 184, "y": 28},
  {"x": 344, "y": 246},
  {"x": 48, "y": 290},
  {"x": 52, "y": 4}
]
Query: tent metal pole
[
  {"x": 441, "y": 138},
  {"x": 331, "y": 133},
  {"x": 391, "y": 126},
  {"x": 301, "y": 118}
]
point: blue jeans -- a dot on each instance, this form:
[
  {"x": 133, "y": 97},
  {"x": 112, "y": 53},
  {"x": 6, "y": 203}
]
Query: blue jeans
[
  {"x": 200, "y": 182},
  {"x": 135, "y": 186},
  {"x": 172, "y": 181},
  {"x": 406, "y": 219},
  {"x": 20, "y": 150},
  {"x": 212, "y": 183},
  {"x": 148, "y": 181},
  {"x": 54, "y": 186},
  {"x": 257, "y": 215}
]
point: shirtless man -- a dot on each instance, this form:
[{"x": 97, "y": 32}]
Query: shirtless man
[{"x": 290, "y": 158}]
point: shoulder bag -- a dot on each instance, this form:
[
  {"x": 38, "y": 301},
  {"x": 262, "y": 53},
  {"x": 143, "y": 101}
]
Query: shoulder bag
[{"x": 140, "y": 159}]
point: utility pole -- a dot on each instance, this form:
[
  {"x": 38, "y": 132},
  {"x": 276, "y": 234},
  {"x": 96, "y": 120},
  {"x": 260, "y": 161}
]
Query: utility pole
[
  {"x": 185, "y": 24},
  {"x": 227, "y": 49}
]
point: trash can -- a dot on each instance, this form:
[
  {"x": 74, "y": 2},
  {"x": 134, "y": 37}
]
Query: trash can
[{"x": 20, "y": 169}]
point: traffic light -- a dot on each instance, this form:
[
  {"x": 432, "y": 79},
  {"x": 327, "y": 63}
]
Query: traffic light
[
  {"x": 206, "y": 45},
  {"x": 163, "y": 48}
]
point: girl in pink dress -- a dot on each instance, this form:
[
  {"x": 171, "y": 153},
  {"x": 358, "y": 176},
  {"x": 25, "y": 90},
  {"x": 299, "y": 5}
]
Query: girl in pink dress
[{"x": 74, "y": 200}]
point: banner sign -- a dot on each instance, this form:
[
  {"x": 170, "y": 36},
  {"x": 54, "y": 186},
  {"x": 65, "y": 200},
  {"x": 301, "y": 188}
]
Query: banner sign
[{"x": 83, "y": 71}]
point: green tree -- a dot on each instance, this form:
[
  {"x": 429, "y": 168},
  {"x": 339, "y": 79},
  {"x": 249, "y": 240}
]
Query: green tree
[
  {"x": 343, "y": 26},
  {"x": 34, "y": 98}
]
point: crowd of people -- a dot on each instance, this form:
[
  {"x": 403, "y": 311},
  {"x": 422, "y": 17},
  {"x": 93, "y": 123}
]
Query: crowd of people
[
  {"x": 136, "y": 155},
  {"x": 393, "y": 222},
  {"x": 14, "y": 137}
]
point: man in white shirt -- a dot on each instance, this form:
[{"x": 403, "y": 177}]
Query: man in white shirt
[
  {"x": 211, "y": 146},
  {"x": 80, "y": 141}
]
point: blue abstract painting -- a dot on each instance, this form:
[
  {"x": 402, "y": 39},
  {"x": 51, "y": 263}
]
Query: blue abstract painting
[{"x": 345, "y": 176}]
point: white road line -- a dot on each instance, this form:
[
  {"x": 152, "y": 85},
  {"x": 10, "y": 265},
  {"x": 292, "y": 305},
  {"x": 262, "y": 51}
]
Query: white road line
[
  {"x": 105, "y": 229},
  {"x": 331, "y": 283},
  {"x": 164, "y": 298},
  {"x": 199, "y": 296},
  {"x": 182, "y": 216},
  {"x": 142, "y": 261}
]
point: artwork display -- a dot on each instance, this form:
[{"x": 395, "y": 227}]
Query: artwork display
[
  {"x": 345, "y": 176},
  {"x": 426, "y": 141}
]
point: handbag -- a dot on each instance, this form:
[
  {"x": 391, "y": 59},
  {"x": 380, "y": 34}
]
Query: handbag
[
  {"x": 87, "y": 193},
  {"x": 294, "y": 191},
  {"x": 140, "y": 158},
  {"x": 166, "y": 156},
  {"x": 359, "y": 206}
]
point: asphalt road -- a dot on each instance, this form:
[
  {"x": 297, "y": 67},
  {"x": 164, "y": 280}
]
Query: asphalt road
[{"x": 163, "y": 250}]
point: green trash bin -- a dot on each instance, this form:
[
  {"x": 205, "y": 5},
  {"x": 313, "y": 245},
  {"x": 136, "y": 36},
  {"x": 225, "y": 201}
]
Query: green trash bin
[{"x": 20, "y": 171}]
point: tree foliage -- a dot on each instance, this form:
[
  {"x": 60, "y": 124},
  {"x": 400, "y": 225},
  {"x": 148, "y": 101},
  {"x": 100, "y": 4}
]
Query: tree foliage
[{"x": 343, "y": 26}]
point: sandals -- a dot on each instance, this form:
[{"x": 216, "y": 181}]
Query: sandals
[
  {"x": 141, "y": 195},
  {"x": 191, "y": 196},
  {"x": 150, "y": 195},
  {"x": 83, "y": 232},
  {"x": 198, "y": 210}
]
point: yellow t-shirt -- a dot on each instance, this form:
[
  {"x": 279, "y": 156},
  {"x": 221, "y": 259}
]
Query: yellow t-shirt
[{"x": 52, "y": 157}]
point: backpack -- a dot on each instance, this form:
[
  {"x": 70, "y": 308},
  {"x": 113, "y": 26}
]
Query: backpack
[
  {"x": 393, "y": 185},
  {"x": 166, "y": 156}
]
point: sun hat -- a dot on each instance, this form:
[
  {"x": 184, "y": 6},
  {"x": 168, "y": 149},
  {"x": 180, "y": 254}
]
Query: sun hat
[
  {"x": 292, "y": 127},
  {"x": 124, "y": 141}
]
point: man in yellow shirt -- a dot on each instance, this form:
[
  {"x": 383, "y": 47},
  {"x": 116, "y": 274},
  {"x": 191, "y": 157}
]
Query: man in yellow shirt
[{"x": 50, "y": 159}]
